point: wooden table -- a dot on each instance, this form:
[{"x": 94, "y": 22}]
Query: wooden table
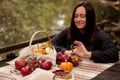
[{"x": 88, "y": 70}]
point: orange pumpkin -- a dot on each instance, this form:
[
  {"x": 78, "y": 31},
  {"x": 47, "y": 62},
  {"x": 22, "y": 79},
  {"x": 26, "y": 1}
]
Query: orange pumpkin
[
  {"x": 41, "y": 51},
  {"x": 35, "y": 50},
  {"x": 67, "y": 66}
]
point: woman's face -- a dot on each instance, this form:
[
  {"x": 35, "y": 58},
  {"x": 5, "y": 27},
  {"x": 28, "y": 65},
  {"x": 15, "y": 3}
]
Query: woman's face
[{"x": 80, "y": 18}]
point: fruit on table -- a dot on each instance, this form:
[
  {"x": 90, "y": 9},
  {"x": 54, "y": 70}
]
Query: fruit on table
[
  {"x": 26, "y": 70},
  {"x": 28, "y": 66},
  {"x": 43, "y": 60},
  {"x": 19, "y": 63},
  {"x": 63, "y": 57},
  {"x": 59, "y": 56},
  {"x": 67, "y": 66},
  {"x": 47, "y": 65},
  {"x": 33, "y": 63},
  {"x": 75, "y": 60}
]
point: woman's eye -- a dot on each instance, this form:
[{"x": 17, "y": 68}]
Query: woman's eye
[
  {"x": 82, "y": 15},
  {"x": 76, "y": 16}
]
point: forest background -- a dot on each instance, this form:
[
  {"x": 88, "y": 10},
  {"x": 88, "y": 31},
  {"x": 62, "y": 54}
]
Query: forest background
[{"x": 19, "y": 19}]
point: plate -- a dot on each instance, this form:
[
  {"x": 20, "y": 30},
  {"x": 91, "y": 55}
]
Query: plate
[{"x": 67, "y": 79}]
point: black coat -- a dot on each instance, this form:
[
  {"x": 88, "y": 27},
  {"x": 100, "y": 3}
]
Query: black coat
[{"x": 103, "y": 49}]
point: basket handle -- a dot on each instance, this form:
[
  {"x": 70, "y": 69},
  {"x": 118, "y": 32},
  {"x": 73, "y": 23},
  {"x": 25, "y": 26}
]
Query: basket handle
[{"x": 49, "y": 40}]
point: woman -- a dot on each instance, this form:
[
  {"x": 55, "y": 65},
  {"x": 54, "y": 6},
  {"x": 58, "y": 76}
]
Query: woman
[{"x": 89, "y": 42}]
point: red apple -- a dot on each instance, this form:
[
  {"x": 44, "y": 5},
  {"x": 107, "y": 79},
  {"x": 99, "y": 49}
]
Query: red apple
[
  {"x": 19, "y": 63},
  {"x": 26, "y": 70},
  {"x": 47, "y": 65},
  {"x": 59, "y": 55},
  {"x": 43, "y": 60},
  {"x": 65, "y": 58}
]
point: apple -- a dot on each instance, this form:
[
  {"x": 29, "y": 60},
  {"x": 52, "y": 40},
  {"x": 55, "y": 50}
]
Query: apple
[
  {"x": 47, "y": 65},
  {"x": 43, "y": 60},
  {"x": 26, "y": 70},
  {"x": 59, "y": 56},
  {"x": 19, "y": 63},
  {"x": 65, "y": 58}
]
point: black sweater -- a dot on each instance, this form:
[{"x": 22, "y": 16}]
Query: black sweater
[{"x": 103, "y": 50}]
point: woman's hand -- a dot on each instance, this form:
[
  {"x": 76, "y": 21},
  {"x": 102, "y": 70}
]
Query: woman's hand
[{"x": 81, "y": 51}]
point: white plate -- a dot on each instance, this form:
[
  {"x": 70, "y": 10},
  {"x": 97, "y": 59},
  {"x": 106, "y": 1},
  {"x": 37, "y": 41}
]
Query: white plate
[{"x": 68, "y": 79}]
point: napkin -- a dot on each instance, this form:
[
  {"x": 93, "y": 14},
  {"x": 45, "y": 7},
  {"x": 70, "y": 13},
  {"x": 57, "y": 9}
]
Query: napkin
[{"x": 40, "y": 74}]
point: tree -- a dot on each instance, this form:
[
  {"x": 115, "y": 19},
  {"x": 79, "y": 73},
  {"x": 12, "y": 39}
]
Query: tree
[{"x": 19, "y": 19}]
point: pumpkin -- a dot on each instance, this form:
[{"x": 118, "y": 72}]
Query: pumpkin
[
  {"x": 41, "y": 51},
  {"x": 35, "y": 50},
  {"x": 67, "y": 66}
]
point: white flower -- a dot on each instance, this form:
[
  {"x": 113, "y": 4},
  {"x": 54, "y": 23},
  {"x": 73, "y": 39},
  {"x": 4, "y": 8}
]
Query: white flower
[{"x": 49, "y": 50}]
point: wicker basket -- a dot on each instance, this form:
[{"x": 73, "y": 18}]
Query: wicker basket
[
  {"x": 42, "y": 46},
  {"x": 50, "y": 53},
  {"x": 49, "y": 40}
]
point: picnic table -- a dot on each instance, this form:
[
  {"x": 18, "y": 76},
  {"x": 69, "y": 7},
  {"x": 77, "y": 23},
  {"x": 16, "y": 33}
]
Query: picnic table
[{"x": 86, "y": 70}]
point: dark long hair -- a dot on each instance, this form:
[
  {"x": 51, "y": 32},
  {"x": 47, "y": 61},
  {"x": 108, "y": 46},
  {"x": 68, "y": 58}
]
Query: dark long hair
[{"x": 90, "y": 27}]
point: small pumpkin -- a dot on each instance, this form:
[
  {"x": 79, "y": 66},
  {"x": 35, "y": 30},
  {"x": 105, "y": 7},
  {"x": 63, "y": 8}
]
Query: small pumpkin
[
  {"x": 40, "y": 51},
  {"x": 67, "y": 66},
  {"x": 35, "y": 50}
]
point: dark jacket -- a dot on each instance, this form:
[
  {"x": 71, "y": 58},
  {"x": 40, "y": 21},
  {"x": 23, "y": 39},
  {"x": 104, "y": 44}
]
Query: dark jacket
[{"x": 103, "y": 49}]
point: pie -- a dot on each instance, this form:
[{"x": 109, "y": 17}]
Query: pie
[{"x": 62, "y": 74}]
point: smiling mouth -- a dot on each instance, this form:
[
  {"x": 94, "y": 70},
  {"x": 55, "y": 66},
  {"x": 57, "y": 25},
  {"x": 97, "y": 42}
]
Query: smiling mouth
[{"x": 80, "y": 23}]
